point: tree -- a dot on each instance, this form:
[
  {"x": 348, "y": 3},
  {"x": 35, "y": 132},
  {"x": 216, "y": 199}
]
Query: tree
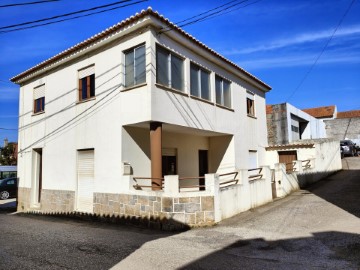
[{"x": 8, "y": 155}]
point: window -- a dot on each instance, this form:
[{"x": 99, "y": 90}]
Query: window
[
  {"x": 170, "y": 69},
  {"x": 250, "y": 103},
  {"x": 253, "y": 159},
  {"x": 250, "y": 107},
  {"x": 199, "y": 82},
  {"x": 39, "y": 99},
  {"x": 135, "y": 66},
  {"x": 294, "y": 129},
  {"x": 87, "y": 83},
  {"x": 222, "y": 89}
]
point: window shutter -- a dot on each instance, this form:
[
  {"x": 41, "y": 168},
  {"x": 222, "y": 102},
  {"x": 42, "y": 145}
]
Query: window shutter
[
  {"x": 39, "y": 92},
  {"x": 250, "y": 95},
  {"x": 86, "y": 71}
]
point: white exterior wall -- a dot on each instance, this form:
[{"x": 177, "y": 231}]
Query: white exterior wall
[
  {"x": 315, "y": 128},
  {"x": 183, "y": 110},
  {"x": 67, "y": 125}
]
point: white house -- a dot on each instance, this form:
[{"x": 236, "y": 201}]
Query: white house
[{"x": 140, "y": 100}]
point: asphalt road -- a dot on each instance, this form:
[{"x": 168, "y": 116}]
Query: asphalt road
[{"x": 318, "y": 228}]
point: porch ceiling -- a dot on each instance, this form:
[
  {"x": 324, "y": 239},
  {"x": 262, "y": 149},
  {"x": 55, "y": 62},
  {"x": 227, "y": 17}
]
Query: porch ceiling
[{"x": 180, "y": 129}]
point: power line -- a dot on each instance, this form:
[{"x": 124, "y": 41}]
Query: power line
[
  {"x": 321, "y": 52},
  {"x": 211, "y": 13},
  {"x": 28, "y": 3},
  {"x": 8, "y": 128},
  {"x": 67, "y": 15}
]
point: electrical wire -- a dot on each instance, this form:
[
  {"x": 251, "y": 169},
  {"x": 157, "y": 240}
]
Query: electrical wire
[
  {"x": 28, "y": 3},
  {"x": 321, "y": 52},
  {"x": 67, "y": 15},
  {"x": 214, "y": 12},
  {"x": 8, "y": 128}
]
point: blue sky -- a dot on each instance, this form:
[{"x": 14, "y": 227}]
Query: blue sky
[{"x": 275, "y": 40}]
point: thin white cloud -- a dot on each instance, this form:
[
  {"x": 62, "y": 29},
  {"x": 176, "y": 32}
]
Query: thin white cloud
[
  {"x": 8, "y": 94},
  {"x": 301, "y": 60},
  {"x": 298, "y": 39}
]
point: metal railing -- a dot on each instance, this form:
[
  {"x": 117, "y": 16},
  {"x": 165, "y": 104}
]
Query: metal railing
[
  {"x": 257, "y": 175},
  {"x": 290, "y": 167},
  {"x": 153, "y": 184},
  {"x": 307, "y": 164},
  {"x": 201, "y": 187},
  {"x": 231, "y": 182}
]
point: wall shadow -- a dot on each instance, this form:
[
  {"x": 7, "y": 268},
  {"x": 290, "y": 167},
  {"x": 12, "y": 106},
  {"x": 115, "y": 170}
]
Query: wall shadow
[
  {"x": 341, "y": 189},
  {"x": 335, "y": 250}
]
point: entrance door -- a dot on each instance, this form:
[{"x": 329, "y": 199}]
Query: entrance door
[
  {"x": 85, "y": 185},
  {"x": 168, "y": 165},
  {"x": 203, "y": 167},
  {"x": 287, "y": 157}
]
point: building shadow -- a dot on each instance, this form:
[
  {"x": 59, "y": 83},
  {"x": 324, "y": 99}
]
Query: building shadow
[
  {"x": 78, "y": 242},
  {"x": 325, "y": 250},
  {"x": 341, "y": 189}
]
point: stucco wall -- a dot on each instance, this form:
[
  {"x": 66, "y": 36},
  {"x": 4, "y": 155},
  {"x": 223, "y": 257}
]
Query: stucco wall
[
  {"x": 344, "y": 128},
  {"x": 112, "y": 123}
]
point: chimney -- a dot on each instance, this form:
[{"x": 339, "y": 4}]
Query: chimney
[{"x": 6, "y": 142}]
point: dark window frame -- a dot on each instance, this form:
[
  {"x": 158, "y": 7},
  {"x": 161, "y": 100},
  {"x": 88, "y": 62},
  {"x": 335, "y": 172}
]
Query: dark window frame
[
  {"x": 39, "y": 105},
  {"x": 250, "y": 106},
  {"x": 88, "y": 91},
  {"x": 170, "y": 69}
]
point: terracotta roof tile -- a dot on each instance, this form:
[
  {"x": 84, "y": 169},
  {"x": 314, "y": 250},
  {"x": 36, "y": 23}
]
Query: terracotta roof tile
[
  {"x": 321, "y": 112},
  {"x": 348, "y": 114},
  {"x": 113, "y": 29},
  {"x": 269, "y": 109}
]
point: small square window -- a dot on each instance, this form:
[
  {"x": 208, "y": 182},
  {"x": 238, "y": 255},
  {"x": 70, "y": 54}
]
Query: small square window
[
  {"x": 39, "y": 99},
  {"x": 87, "y": 83},
  {"x": 250, "y": 107},
  {"x": 39, "y": 105}
]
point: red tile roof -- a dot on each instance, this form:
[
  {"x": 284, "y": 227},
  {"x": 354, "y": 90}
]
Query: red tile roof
[
  {"x": 113, "y": 29},
  {"x": 348, "y": 114},
  {"x": 268, "y": 109},
  {"x": 321, "y": 112}
]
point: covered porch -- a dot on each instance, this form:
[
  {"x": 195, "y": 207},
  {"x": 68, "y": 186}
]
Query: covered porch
[{"x": 152, "y": 150}]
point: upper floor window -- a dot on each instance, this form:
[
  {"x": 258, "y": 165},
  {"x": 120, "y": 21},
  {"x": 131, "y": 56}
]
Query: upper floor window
[
  {"x": 223, "y": 93},
  {"x": 199, "y": 82},
  {"x": 135, "y": 65},
  {"x": 250, "y": 105},
  {"x": 39, "y": 99},
  {"x": 87, "y": 83},
  {"x": 170, "y": 69}
]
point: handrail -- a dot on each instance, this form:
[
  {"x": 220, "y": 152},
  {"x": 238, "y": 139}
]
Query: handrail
[
  {"x": 257, "y": 176},
  {"x": 292, "y": 168},
  {"x": 307, "y": 164},
  {"x": 137, "y": 186},
  {"x": 191, "y": 186},
  {"x": 234, "y": 180}
]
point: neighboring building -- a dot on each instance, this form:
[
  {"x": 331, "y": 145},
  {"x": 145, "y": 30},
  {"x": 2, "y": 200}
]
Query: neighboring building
[
  {"x": 287, "y": 124},
  {"x": 346, "y": 125},
  {"x": 324, "y": 113},
  {"x": 134, "y": 100}
]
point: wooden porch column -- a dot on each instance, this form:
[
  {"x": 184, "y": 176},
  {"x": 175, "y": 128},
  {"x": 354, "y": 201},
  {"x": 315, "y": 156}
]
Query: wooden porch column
[{"x": 155, "y": 154}]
